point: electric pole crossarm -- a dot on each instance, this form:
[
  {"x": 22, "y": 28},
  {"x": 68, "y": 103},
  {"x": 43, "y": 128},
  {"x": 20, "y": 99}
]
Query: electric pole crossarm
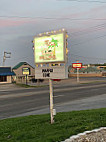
[{"x": 4, "y": 57}]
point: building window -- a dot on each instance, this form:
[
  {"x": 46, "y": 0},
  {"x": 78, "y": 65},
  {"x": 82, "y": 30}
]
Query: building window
[{"x": 3, "y": 78}]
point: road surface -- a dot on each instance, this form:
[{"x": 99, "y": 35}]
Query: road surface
[{"x": 17, "y": 101}]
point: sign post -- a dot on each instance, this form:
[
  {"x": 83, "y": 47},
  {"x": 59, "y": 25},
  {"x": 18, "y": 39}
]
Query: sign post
[
  {"x": 26, "y": 79},
  {"x": 26, "y": 72},
  {"x": 77, "y": 74},
  {"x": 51, "y": 100},
  {"x": 50, "y": 48}
]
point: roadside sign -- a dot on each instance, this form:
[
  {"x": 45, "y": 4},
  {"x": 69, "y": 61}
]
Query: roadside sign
[
  {"x": 77, "y": 65},
  {"x": 26, "y": 71},
  {"x": 50, "y": 48},
  {"x": 51, "y": 72}
]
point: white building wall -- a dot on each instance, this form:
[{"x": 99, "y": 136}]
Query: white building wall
[{"x": 9, "y": 80}]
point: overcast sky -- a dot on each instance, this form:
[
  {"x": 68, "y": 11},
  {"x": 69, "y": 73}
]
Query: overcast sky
[{"x": 85, "y": 22}]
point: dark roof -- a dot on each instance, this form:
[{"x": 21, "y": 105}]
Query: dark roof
[
  {"x": 6, "y": 71},
  {"x": 7, "y": 74},
  {"x": 20, "y": 64}
]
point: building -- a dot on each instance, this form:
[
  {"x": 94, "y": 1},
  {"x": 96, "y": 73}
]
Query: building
[
  {"x": 6, "y": 75},
  {"x": 23, "y": 70}
]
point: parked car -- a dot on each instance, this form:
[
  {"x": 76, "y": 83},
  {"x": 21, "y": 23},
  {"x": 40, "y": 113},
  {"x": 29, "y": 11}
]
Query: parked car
[
  {"x": 33, "y": 80},
  {"x": 40, "y": 80}
]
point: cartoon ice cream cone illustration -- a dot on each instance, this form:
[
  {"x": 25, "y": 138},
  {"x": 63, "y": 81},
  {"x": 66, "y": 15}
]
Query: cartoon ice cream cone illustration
[{"x": 49, "y": 51}]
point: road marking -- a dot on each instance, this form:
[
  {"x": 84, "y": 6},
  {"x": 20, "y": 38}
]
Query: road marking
[{"x": 58, "y": 96}]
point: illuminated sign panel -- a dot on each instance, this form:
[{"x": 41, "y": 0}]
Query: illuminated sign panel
[
  {"x": 49, "y": 48},
  {"x": 77, "y": 65},
  {"x": 26, "y": 71}
]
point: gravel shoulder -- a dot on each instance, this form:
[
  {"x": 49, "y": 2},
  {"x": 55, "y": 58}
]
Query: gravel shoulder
[{"x": 97, "y": 135}]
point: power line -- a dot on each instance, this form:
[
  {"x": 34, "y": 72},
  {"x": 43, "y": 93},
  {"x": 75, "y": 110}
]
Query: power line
[
  {"x": 88, "y": 1},
  {"x": 99, "y": 37},
  {"x": 54, "y": 18},
  {"x": 21, "y": 58},
  {"x": 85, "y": 31},
  {"x": 88, "y": 57},
  {"x": 74, "y": 57},
  {"x": 97, "y": 27},
  {"x": 93, "y": 28}
]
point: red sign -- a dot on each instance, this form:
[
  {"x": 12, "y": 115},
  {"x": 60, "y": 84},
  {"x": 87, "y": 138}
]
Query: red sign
[
  {"x": 56, "y": 79},
  {"x": 77, "y": 65}
]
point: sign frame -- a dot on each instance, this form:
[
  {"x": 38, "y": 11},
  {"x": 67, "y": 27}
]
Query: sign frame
[
  {"x": 45, "y": 72},
  {"x": 26, "y": 72},
  {"x": 77, "y": 65},
  {"x": 64, "y": 47}
]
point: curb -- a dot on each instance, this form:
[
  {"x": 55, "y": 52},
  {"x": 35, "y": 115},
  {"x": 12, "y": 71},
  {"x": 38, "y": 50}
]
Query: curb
[{"x": 84, "y": 133}]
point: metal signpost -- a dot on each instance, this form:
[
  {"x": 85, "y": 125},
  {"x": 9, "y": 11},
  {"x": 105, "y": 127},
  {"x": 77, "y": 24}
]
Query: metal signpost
[
  {"x": 26, "y": 72},
  {"x": 77, "y": 74},
  {"x": 77, "y": 66},
  {"x": 51, "y": 100},
  {"x": 51, "y": 48}
]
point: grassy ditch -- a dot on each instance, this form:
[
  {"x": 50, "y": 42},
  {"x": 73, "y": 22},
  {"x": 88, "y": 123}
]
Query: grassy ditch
[
  {"x": 93, "y": 82},
  {"x": 29, "y": 86},
  {"x": 38, "y": 128}
]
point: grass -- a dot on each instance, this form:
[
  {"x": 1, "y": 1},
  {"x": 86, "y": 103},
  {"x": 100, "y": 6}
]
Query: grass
[
  {"x": 29, "y": 86},
  {"x": 38, "y": 128},
  {"x": 92, "y": 82}
]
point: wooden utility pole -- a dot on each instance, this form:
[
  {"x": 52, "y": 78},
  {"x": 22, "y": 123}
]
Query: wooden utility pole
[{"x": 4, "y": 57}]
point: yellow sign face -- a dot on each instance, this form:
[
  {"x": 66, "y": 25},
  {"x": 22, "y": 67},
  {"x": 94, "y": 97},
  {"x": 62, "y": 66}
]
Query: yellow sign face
[
  {"x": 77, "y": 65},
  {"x": 26, "y": 71}
]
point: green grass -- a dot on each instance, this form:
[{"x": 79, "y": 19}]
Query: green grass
[
  {"x": 38, "y": 128},
  {"x": 29, "y": 86},
  {"x": 92, "y": 82}
]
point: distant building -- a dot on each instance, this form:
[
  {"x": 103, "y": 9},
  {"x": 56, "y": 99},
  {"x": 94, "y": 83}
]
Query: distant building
[
  {"x": 101, "y": 67},
  {"x": 6, "y": 75},
  {"x": 21, "y": 70},
  {"x": 104, "y": 74}
]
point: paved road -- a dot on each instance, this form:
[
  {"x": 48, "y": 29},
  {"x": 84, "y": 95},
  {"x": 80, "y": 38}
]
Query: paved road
[{"x": 21, "y": 101}]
